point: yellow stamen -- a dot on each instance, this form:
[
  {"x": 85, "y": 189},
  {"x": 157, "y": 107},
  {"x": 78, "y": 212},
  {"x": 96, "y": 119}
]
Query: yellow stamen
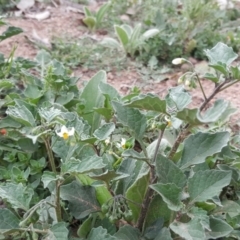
[{"x": 65, "y": 136}]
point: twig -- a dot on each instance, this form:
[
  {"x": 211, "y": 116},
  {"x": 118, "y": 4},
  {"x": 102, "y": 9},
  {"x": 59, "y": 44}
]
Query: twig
[{"x": 200, "y": 84}]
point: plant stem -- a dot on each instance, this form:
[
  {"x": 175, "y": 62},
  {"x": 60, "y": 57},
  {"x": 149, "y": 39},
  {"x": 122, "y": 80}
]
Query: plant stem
[
  {"x": 57, "y": 201},
  {"x": 228, "y": 85},
  {"x": 50, "y": 155},
  {"x": 153, "y": 179},
  {"x": 200, "y": 84}
]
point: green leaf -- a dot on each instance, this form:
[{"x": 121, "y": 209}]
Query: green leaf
[
  {"x": 221, "y": 53},
  {"x": 108, "y": 90},
  {"x": 170, "y": 193},
  {"x": 11, "y": 31},
  {"x": 33, "y": 92},
  {"x": 132, "y": 118},
  {"x": 220, "y": 67},
  {"x": 5, "y": 84},
  {"x": 193, "y": 116},
  {"x": 100, "y": 233},
  {"x": 101, "y": 12},
  {"x": 86, "y": 165},
  {"x": 199, "y": 146},
  {"x": 164, "y": 234},
  {"x": 90, "y": 90},
  {"x": 178, "y": 97},
  {"x": 122, "y": 35},
  {"x": 148, "y": 102},
  {"x": 58, "y": 232},
  {"x": 136, "y": 194},
  {"x": 150, "y": 33},
  {"x": 110, "y": 43},
  {"x": 43, "y": 58},
  {"x": 228, "y": 207},
  {"x": 207, "y": 184},
  {"x": 152, "y": 147},
  {"x": 219, "y": 228},
  {"x": 168, "y": 172},
  {"x": 158, "y": 209},
  {"x": 82, "y": 199},
  {"x": 104, "y": 131},
  {"x": 235, "y": 71},
  {"x": 49, "y": 114},
  {"x": 9, "y": 122},
  {"x": 211, "y": 77},
  {"x": 17, "y": 195},
  {"x": 8, "y": 220},
  {"x": 47, "y": 178},
  {"x": 63, "y": 100},
  {"x": 201, "y": 215},
  {"x": 128, "y": 232},
  {"x": 136, "y": 33},
  {"x": 21, "y": 115},
  {"x": 152, "y": 231},
  {"x": 87, "y": 12},
  {"x": 189, "y": 231},
  {"x": 85, "y": 227},
  {"x": 90, "y": 22}
]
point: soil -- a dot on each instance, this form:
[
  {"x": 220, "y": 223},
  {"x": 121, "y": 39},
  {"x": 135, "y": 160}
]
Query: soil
[{"x": 67, "y": 22}]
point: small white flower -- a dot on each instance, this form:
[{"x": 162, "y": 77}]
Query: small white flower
[
  {"x": 187, "y": 83},
  {"x": 107, "y": 141},
  {"x": 180, "y": 80},
  {"x": 177, "y": 61},
  {"x": 123, "y": 143},
  {"x": 66, "y": 132}
]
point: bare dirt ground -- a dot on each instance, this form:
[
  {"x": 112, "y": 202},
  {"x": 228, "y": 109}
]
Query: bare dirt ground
[{"x": 64, "y": 21}]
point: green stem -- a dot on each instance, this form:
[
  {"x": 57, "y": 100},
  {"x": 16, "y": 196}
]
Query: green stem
[
  {"x": 50, "y": 155},
  {"x": 57, "y": 201},
  {"x": 200, "y": 84},
  {"x": 228, "y": 85}
]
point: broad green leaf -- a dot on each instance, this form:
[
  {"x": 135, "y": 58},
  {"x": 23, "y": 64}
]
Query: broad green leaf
[
  {"x": 158, "y": 209},
  {"x": 220, "y": 67},
  {"x": 170, "y": 193},
  {"x": 8, "y": 220},
  {"x": 63, "y": 100},
  {"x": 235, "y": 70},
  {"x": 199, "y": 146},
  {"x": 102, "y": 194},
  {"x": 5, "y": 84},
  {"x": 211, "y": 77},
  {"x": 100, "y": 233},
  {"x": 168, "y": 172},
  {"x": 228, "y": 207},
  {"x": 178, "y": 98},
  {"x": 152, "y": 231},
  {"x": 58, "y": 232},
  {"x": 32, "y": 91},
  {"x": 193, "y": 116},
  {"x": 82, "y": 199},
  {"x": 104, "y": 131},
  {"x": 219, "y": 228},
  {"x": 9, "y": 122},
  {"x": 164, "y": 234},
  {"x": 152, "y": 147},
  {"x": 193, "y": 230},
  {"x": 21, "y": 115},
  {"x": 221, "y": 53},
  {"x": 136, "y": 194},
  {"x": 17, "y": 195},
  {"x": 101, "y": 12},
  {"x": 105, "y": 112},
  {"x": 43, "y": 57},
  {"x": 136, "y": 33},
  {"x": 85, "y": 227},
  {"x": 150, "y": 33},
  {"x": 90, "y": 22},
  {"x": 204, "y": 185},
  {"x": 49, "y": 114},
  {"x": 122, "y": 35},
  {"x": 132, "y": 118},
  {"x": 148, "y": 102},
  {"x": 128, "y": 29},
  {"x": 201, "y": 215},
  {"x": 48, "y": 177},
  {"x": 11, "y": 31},
  {"x": 128, "y": 232},
  {"x": 90, "y": 90},
  {"x": 111, "y": 43},
  {"x": 86, "y": 165},
  {"x": 108, "y": 90}
]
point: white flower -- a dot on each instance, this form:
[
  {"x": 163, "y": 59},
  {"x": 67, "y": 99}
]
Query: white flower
[
  {"x": 107, "y": 141},
  {"x": 177, "y": 61},
  {"x": 65, "y": 132},
  {"x": 187, "y": 83},
  {"x": 123, "y": 143}
]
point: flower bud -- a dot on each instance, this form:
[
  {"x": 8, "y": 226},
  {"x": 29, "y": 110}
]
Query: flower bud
[{"x": 177, "y": 61}]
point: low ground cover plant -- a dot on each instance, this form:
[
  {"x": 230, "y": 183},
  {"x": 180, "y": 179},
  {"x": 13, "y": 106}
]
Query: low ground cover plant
[{"x": 92, "y": 164}]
